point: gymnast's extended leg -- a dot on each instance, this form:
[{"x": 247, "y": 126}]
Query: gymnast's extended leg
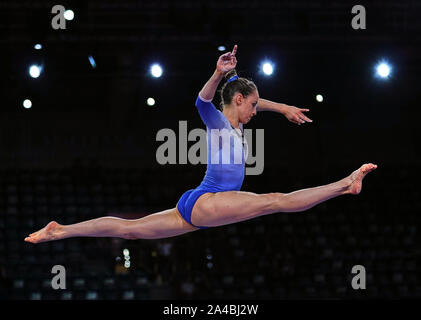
[
  {"x": 216, "y": 209},
  {"x": 163, "y": 224}
]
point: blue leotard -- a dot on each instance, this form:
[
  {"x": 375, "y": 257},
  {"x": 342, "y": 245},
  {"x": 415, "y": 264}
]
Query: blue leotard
[{"x": 227, "y": 154}]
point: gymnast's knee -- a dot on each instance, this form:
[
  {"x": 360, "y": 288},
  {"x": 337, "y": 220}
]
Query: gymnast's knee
[
  {"x": 137, "y": 232},
  {"x": 275, "y": 201},
  {"x": 131, "y": 232}
]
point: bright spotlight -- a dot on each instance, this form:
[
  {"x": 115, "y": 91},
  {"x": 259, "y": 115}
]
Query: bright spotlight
[
  {"x": 319, "y": 98},
  {"x": 34, "y": 71},
  {"x": 69, "y": 15},
  {"x": 267, "y": 68},
  {"x": 38, "y": 46},
  {"x": 150, "y": 101},
  {"x": 156, "y": 70},
  {"x": 27, "y": 103},
  {"x": 221, "y": 48},
  {"x": 383, "y": 70},
  {"x": 126, "y": 252}
]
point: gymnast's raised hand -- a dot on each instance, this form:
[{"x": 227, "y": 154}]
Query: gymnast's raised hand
[{"x": 227, "y": 61}]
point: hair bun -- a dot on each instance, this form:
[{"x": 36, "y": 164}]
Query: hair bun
[{"x": 231, "y": 74}]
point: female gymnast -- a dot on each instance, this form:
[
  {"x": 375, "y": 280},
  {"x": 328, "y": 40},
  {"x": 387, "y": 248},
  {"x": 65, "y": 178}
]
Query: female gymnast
[{"x": 217, "y": 201}]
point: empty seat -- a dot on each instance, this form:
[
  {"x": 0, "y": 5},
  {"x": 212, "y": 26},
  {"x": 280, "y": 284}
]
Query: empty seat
[
  {"x": 19, "y": 283},
  {"x": 228, "y": 280},
  {"x": 35, "y": 295},
  {"x": 128, "y": 295},
  {"x": 67, "y": 295},
  {"x": 92, "y": 295},
  {"x": 79, "y": 283}
]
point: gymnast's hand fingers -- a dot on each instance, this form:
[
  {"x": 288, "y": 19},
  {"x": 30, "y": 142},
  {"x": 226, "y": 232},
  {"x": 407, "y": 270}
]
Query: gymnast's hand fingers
[
  {"x": 303, "y": 117},
  {"x": 234, "y": 50},
  {"x": 226, "y": 56}
]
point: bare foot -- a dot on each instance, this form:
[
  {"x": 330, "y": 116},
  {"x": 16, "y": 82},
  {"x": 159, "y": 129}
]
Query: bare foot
[
  {"x": 51, "y": 231},
  {"x": 356, "y": 178}
]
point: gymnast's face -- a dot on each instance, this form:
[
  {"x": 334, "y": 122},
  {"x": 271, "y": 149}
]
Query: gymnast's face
[{"x": 247, "y": 107}]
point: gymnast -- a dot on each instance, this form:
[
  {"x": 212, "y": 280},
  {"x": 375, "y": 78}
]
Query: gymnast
[{"x": 217, "y": 201}]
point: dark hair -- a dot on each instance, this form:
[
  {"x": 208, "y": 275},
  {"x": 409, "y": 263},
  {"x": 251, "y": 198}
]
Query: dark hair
[{"x": 240, "y": 85}]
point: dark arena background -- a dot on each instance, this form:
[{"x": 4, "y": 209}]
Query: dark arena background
[{"x": 79, "y": 141}]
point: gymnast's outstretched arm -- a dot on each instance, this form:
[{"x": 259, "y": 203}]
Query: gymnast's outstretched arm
[{"x": 292, "y": 113}]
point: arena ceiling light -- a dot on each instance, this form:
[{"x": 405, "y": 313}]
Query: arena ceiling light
[
  {"x": 319, "y": 98},
  {"x": 38, "y": 46},
  {"x": 267, "y": 68},
  {"x": 69, "y": 14},
  {"x": 150, "y": 101},
  {"x": 221, "y": 48},
  {"x": 35, "y": 71},
  {"x": 383, "y": 70},
  {"x": 156, "y": 70},
  {"x": 27, "y": 103},
  {"x": 92, "y": 61}
]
